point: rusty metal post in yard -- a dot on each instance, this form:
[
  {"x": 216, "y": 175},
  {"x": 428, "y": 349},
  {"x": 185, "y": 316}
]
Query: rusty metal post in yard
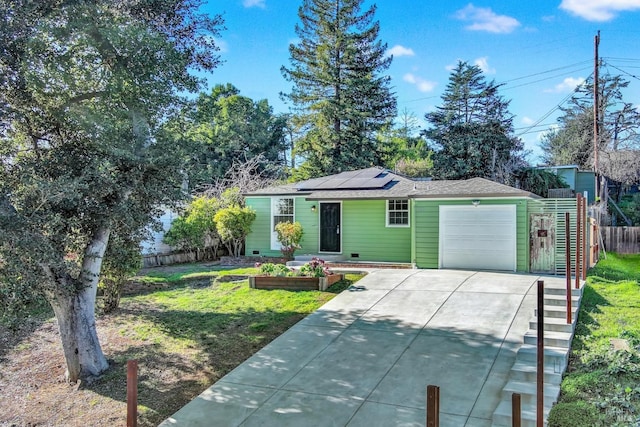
[
  {"x": 578, "y": 238},
  {"x": 540, "y": 358},
  {"x": 132, "y": 393},
  {"x": 585, "y": 236},
  {"x": 516, "y": 410},
  {"x": 433, "y": 406},
  {"x": 567, "y": 252}
]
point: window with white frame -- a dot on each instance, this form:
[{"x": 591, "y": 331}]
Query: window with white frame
[
  {"x": 398, "y": 213},
  {"x": 281, "y": 211}
]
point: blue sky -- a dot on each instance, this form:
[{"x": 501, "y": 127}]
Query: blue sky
[{"x": 539, "y": 49}]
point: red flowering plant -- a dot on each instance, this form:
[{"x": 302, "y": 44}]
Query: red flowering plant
[{"x": 315, "y": 268}]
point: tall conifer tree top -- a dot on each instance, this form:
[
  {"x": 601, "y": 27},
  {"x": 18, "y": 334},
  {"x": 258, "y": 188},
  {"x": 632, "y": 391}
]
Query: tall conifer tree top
[{"x": 339, "y": 92}]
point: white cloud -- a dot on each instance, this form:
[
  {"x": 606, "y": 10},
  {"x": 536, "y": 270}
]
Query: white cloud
[
  {"x": 224, "y": 47},
  {"x": 399, "y": 50},
  {"x": 484, "y": 19},
  {"x": 599, "y": 10},
  {"x": 567, "y": 85},
  {"x": 483, "y": 64},
  {"x": 450, "y": 67},
  {"x": 527, "y": 121},
  {"x": 254, "y": 3},
  {"x": 422, "y": 84}
]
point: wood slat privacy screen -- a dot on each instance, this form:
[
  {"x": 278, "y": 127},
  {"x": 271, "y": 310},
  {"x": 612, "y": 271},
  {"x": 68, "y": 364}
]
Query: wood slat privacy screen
[{"x": 558, "y": 207}]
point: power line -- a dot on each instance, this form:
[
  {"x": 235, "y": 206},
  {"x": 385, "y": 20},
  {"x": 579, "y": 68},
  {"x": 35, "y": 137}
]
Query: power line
[
  {"x": 623, "y": 71},
  {"x": 547, "y": 71},
  {"x": 546, "y": 78},
  {"x": 545, "y": 116}
]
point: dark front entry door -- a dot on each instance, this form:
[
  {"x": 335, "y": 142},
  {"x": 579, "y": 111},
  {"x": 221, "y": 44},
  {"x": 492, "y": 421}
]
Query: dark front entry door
[{"x": 330, "y": 227}]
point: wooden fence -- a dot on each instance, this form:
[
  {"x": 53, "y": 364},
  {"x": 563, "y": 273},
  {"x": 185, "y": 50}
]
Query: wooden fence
[{"x": 624, "y": 240}]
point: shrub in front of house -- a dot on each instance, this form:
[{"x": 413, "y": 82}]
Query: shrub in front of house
[{"x": 314, "y": 268}]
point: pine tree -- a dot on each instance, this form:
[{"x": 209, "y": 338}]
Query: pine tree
[
  {"x": 339, "y": 92},
  {"x": 472, "y": 129},
  {"x": 619, "y": 127}
]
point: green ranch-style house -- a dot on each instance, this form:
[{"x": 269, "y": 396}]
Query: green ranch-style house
[{"x": 374, "y": 215}]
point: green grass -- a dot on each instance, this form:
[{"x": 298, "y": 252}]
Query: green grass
[
  {"x": 184, "y": 316},
  {"x": 190, "y": 272},
  {"x": 601, "y": 383}
]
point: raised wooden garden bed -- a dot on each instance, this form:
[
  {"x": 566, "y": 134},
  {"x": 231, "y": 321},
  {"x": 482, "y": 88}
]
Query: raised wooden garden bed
[{"x": 294, "y": 283}]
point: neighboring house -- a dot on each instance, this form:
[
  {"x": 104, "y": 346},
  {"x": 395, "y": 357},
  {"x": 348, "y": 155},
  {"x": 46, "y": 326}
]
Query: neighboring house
[
  {"x": 155, "y": 246},
  {"x": 578, "y": 181},
  {"x": 375, "y": 215}
]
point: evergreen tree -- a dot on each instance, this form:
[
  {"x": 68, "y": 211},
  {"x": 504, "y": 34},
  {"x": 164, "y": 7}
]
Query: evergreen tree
[
  {"x": 472, "y": 129},
  {"x": 339, "y": 91},
  {"x": 619, "y": 127}
]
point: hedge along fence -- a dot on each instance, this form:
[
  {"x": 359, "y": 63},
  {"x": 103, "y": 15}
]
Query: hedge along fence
[{"x": 623, "y": 240}]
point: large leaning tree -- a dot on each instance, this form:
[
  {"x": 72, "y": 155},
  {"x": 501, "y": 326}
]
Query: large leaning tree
[
  {"x": 340, "y": 95},
  {"x": 86, "y": 88}
]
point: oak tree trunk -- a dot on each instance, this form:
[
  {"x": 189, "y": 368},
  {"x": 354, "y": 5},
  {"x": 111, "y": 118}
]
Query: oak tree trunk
[{"x": 75, "y": 312}]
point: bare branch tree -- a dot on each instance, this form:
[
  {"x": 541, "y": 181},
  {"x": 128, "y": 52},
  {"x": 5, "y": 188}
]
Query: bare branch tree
[{"x": 248, "y": 175}]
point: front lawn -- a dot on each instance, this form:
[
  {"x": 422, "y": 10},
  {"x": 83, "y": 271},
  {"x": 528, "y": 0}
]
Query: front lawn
[
  {"x": 186, "y": 326},
  {"x": 602, "y": 384}
]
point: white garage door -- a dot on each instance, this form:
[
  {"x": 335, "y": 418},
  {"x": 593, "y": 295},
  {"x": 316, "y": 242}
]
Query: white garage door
[{"x": 478, "y": 237}]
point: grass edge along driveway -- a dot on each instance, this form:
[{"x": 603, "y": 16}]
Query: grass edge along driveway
[{"x": 602, "y": 383}]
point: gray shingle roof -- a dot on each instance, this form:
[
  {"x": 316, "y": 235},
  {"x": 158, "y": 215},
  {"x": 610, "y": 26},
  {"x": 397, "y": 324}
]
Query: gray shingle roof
[{"x": 398, "y": 187}]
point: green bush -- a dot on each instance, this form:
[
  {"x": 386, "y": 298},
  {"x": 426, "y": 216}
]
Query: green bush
[
  {"x": 233, "y": 225},
  {"x": 277, "y": 270},
  {"x": 573, "y": 414}
]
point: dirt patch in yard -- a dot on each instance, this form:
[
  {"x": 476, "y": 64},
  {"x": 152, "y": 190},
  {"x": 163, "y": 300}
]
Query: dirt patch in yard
[{"x": 32, "y": 387}]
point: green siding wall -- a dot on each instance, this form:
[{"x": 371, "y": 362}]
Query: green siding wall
[
  {"x": 260, "y": 237},
  {"x": 427, "y": 221},
  {"x": 364, "y": 230}
]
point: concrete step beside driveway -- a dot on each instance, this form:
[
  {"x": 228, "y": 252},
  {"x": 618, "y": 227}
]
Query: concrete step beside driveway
[
  {"x": 502, "y": 415},
  {"x": 561, "y": 300},
  {"x": 551, "y": 338},
  {"x": 559, "y": 312},
  {"x": 527, "y": 371},
  {"x": 557, "y": 324},
  {"x": 555, "y": 289}
]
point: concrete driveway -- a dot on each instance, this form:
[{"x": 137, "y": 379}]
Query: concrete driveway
[{"x": 366, "y": 357}]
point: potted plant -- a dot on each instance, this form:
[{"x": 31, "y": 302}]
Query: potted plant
[{"x": 289, "y": 235}]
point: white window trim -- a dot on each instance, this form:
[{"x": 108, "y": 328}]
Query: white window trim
[
  {"x": 275, "y": 244},
  {"x": 386, "y": 215}
]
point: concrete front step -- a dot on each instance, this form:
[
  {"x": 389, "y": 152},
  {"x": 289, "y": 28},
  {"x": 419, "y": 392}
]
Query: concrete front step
[
  {"x": 557, "y": 324},
  {"x": 329, "y": 258},
  {"x": 553, "y": 356},
  {"x": 528, "y": 392},
  {"x": 502, "y": 414},
  {"x": 551, "y": 338},
  {"x": 528, "y": 372},
  {"x": 561, "y": 300}
]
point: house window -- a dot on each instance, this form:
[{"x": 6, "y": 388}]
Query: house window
[
  {"x": 281, "y": 211},
  {"x": 397, "y": 213}
]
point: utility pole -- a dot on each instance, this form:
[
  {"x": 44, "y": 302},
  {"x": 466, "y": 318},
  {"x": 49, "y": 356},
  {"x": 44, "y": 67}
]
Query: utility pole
[{"x": 596, "y": 43}]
